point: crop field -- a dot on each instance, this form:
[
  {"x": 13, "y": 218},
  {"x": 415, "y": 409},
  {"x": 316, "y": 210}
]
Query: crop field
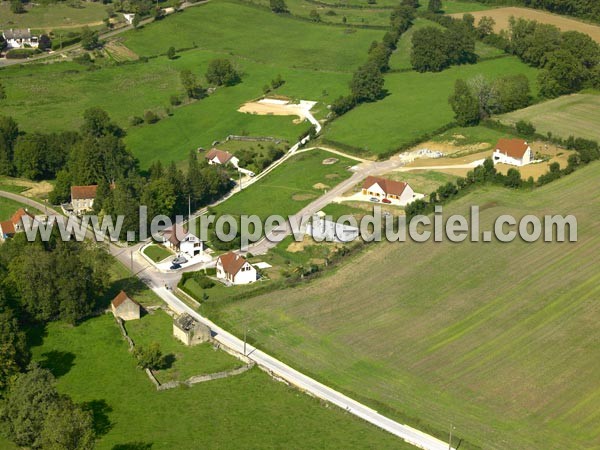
[
  {"x": 504, "y": 348},
  {"x": 290, "y": 187},
  {"x": 502, "y": 16},
  {"x": 571, "y": 115},
  {"x": 54, "y": 16},
  {"x": 417, "y": 105}
]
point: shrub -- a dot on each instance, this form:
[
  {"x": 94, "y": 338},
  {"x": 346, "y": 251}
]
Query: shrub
[
  {"x": 20, "y": 53},
  {"x": 175, "y": 100},
  {"x": 136, "y": 120},
  {"x": 525, "y": 128},
  {"x": 151, "y": 117}
]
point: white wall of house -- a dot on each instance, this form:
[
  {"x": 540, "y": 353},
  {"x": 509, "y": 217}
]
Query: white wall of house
[
  {"x": 81, "y": 205},
  {"x": 408, "y": 195},
  {"x": 374, "y": 191},
  {"x": 191, "y": 245},
  {"x": 247, "y": 274},
  {"x": 500, "y": 157}
]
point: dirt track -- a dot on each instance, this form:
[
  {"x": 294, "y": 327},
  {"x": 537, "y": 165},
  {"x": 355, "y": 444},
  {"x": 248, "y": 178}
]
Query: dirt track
[{"x": 501, "y": 16}]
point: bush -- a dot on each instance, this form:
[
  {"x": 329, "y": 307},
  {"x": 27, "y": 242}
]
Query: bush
[
  {"x": 151, "y": 117},
  {"x": 203, "y": 281},
  {"x": 21, "y": 53},
  {"x": 136, "y": 120},
  {"x": 175, "y": 100},
  {"x": 525, "y": 128}
]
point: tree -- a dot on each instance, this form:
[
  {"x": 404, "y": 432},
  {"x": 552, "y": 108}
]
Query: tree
[
  {"x": 171, "y": 53},
  {"x": 434, "y": 6},
  {"x": 513, "y": 178},
  {"x": 67, "y": 427},
  {"x": 485, "y": 26},
  {"x": 13, "y": 346},
  {"x": 278, "y": 6},
  {"x": 367, "y": 83},
  {"x": 429, "y": 50},
  {"x": 150, "y": 357},
  {"x": 278, "y": 81},
  {"x": 380, "y": 56},
  {"x": 342, "y": 105},
  {"x": 464, "y": 104},
  {"x": 314, "y": 15},
  {"x": 151, "y": 117},
  {"x": 583, "y": 47},
  {"x": 485, "y": 93},
  {"x": 89, "y": 38},
  {"x": 16, "y": 7},
  {"x": 191, "y": 85},
  {"x": 525, "y": 128},
  {"x": 513, "y": 92},
  {"x": 9, "y": 131},
  {"x": 460, "y": 44},
  {"x": 44, "y": 42},
  {"x": 135, "y": 21},
  {"x": 562, "y": 74},
  {"x": 97, "y": 123},
  {"x": 222, "y": 73}
]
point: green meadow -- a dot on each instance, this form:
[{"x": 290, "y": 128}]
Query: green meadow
[{"x": 54, "y": 16}]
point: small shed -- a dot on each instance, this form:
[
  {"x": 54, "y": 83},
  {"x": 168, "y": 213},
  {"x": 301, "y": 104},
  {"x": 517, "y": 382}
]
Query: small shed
[
  {"x": 125, "y": 307},
  {"x": 189, "y": 331}
]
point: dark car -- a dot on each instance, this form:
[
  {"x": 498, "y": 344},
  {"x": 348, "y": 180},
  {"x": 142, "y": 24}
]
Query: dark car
[{"x": 175, "y": 266}]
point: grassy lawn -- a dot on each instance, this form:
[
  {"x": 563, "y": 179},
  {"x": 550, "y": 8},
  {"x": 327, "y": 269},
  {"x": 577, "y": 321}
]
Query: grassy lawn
[
  {"x": 157, "y": 252},
  {"x": 54, "y": 16},
  {"x": 121, "y": 279},
  {"x": 572, "y": 115},
  {"x": 93, "y": 366},
  {"x": 199, "y": 359},
  {"x": 417, "y": 104},
  {"x": 290, "y": 187},
  {"x": 9, "y": 207},
  {"x": 464, "y": 136},
  {"x": 501, "y": 338}
]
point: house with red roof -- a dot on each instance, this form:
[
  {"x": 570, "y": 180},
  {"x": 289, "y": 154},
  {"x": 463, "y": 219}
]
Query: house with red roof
[
  {"x": 216, "y": 156},
  {"x": 178, "y": 239},
  {"x": 235, "y": 269},
  {"x": 124, "y": 307},
  {"x": 14, "y": 225},
  {"x": 515, "y": 152},
  {"x": 82, "y": 198},
  {"x": 398, "y": 192}
]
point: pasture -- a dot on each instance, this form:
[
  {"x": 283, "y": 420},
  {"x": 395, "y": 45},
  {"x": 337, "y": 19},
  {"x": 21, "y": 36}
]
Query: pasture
[
  {"x": 288, "y": 188},
  {"x": 48, "y": 17},
  {"x": 417, "y": 105},
  {"x": 499, "y": 339},
  {"x": 502, "y": 16},
  {"x": 572, "y": 115}
]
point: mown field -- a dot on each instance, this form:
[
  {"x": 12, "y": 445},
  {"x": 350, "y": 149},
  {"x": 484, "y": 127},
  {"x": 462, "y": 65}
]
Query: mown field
[
  {"x": 417, "y": 104},
  {"x": 499, "y": 339},
  {"x": 572, "y": 115},
  {"x": 8, "y": 208},
  {"x": 290, "y": 187},
  {"x": 48, "y": 17}
]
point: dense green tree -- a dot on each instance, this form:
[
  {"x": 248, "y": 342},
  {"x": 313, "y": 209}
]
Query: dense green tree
[
  {"x": 13, "y": 346},
  {"x": 434, "y": 6},
  {"x": 191, "y": 85},
  {"x": 17, "y": 7},
  {"x": 278, "y": 6},
  {"x": 135, "y": 21},
  {"x": 367, "y": 83},
  {"x": 583, "y": 47},
  {"x": 401, "y": 18},
  {"x": 525, "y": 128},
  {"x": 464, "y": 104},
  {"x": 89, "y": 38},
  {"x": 513, "y": 92},
  {"x": 160, "y": 198},
  {"x": 562, "y": 74},
  {"x": 44, "y": 42},
  {"x": 485, "y": 93},
  {"x": 221, "y": 72},
  {"x": 2, "y": 91},
  {"x": 97, "y": 123},
  {"x": 171, "y": 53},
  {"x": 67, "y": 427},
  {"x": 9, "y": 131},
  {"x": 380, "y": 56},
  {"x": 460, "y": 44},
  {"x": 513, "y": 178},
  {"x": 342, "y": 105},
  {"x": 149, "y": 357},
  {"x": 429, "y": 50},
  {"x": 414, "y": 4},
  {"x": 485, "y": 26}
]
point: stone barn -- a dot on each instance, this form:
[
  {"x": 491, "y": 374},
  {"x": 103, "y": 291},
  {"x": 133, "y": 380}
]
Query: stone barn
[
  {"x": 125, "y": 307},
  {"x": 189, "y": 331}
]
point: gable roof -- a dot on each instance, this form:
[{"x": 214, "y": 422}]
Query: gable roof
[
  {"x": 515, "y": 148},
  {"x": 221, "y": 155},
  {"x": 17, "y": 33},
  {"x": 121, "y": 298},
  {"x": 232, "y": 262},
  {"x": 19, "y": 214},
  {"x": 174, "y": 233},
  {"x": 388, "y": 186},
  {"x": 7, "y": 227},
  {"x": 84, "y": 192}
]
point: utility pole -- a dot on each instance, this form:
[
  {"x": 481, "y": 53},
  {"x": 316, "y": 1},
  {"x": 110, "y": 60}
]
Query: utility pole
[{"x": 452, "y": 427}]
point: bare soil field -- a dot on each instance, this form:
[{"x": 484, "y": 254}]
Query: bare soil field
[
  {"x": 502, "y": 15},
  {"x": 275, "y": 107}
]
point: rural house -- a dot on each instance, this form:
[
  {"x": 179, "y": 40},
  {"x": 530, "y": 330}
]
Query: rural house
[
  {"x": 82, "y": 198},
  {"x": 14, "y": 225},
  {"x": 189, "y": 331},
  {"x": 234, "y": 268},
  {"x": 179, "y": 240},
  {"x": 382, "y": 188},
  {"x": 515, "y": 152},
  {"x": 20, "y": 38},
  {"x": 125, "y": 307},
  {"x": 216, "y": 156}
]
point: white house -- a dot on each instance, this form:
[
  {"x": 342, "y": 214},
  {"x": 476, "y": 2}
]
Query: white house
[
  {"x": 216, "y": 156},
  {"x": 20, "y": 38},
  {"x": 515, "y": 152},
  {"x": 82, "y": 198},
  {"x": 9, "y": 228},
  {"x": 394, "y": 191},
  {"x": 235, "y": 269},
  {"x": 179, "y": 240}
]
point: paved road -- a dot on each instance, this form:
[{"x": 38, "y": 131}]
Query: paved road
[{"x": 156, "y": 281}]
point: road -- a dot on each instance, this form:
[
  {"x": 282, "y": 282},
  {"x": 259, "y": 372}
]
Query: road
[{"x": 156, "y": 281}]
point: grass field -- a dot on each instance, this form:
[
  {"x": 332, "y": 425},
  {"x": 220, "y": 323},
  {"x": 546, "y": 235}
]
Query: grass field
[
  {"x": 157, "y": 252},
  {"x": 8, "y": 208},
  {"x": 502, "y": 16},
  {"x": 417, "y": 104},
  {"x": 572, "y": 115},
  {"x": 290, "y": 187},
  {"x": 499, "y": 339},
  {"x": 448, "y": 6},
  {"x": 49, "y": 17}
]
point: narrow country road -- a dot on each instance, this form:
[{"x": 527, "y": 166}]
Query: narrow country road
[{"x": 156, "y": 281}]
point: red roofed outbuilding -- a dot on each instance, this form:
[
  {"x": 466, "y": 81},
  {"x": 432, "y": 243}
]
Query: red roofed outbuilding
[{"x": 125, "y": 307}]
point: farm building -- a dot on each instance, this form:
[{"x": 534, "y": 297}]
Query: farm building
[
  {"x": 125, "y": 307},
  {"x": 82, "y": 198},
  {"x": 216, "y": 156},
  {"x": 515, "y": 152},
  {"x": 189, "y": 331},
  {"x": 179, "y": 240},
  {"x": 20, "y": 38},
  {"x": 382, "y": 188},
  {"x": 235, "y": 269},
  {"x": 14, "y": 225},
  {"x": 321, "y": 229}
]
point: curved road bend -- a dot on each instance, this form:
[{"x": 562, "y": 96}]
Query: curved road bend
[{"x": 156, "y": 281}]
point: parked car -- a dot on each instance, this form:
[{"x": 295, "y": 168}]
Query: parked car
[
  {"x": 386, "y": 201},
  {"x": 374, "y": 199},
  {"x": 175, "y": 266},
  {"x": 179, "y": 260}
]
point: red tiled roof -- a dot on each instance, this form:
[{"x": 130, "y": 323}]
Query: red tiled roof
[
  {"x": 7, "y": 227},
  {"x": 515, "y": 148},
  {"x": 121, "y": 298},
  {"x": 83, "y": 192},
  {"x": 388, "y": 186},
  {"x": 232, "y": 262},
  {"x": 221, "y": 155},
  {"x": 18, "y": 216},
  {"x": 174, "y": 233}
]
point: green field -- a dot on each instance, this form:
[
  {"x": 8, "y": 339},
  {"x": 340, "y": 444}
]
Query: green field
[
  {"x": 49, "y": 17},
  {"x": 448, "y": 6},
  {"x": 157, "y": 253},
  {"x": 289, "y": 188},
  {"x": 499, "y": 339},
  {"x": 417, "y": 104},
  {"x": 8, "y": 208},
  {"x": 572, "y": 115}
]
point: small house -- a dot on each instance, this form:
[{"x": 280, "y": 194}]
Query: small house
[
  {"x": 179, "y": 240},
  {"x": 382, "y": 188},
  {"x": 235, "y": 269},
  {"x": 515, "y": 152},
  {"x": 125, "y": 307},
  {"x": 14, "y": 225},
  {"x": 20, "y": 38},
  {"x": 189, "y": 331},
  {"x": 82, "y": 198},
  {"x": 221, "y": 157}
]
